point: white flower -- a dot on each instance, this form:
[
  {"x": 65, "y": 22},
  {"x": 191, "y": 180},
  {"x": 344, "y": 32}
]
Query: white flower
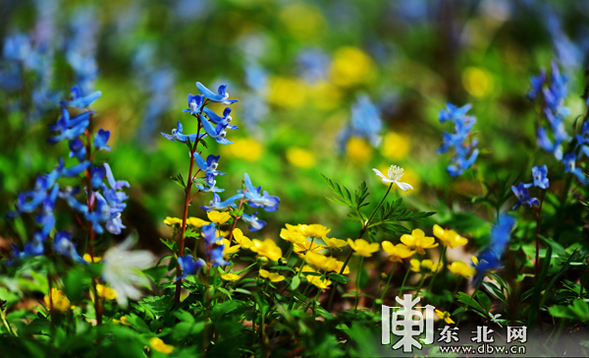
[
  {"x": 122, "y": 270},
  {"x": 395, "y": 174}
]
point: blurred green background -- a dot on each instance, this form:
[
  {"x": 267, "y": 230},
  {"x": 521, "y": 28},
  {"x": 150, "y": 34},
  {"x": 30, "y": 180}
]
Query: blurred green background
[{"x": 297, "y": 68}]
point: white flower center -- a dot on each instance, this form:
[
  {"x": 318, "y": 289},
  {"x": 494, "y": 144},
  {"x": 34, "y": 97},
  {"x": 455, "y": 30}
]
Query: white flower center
[{"x": 395, "y": 173}]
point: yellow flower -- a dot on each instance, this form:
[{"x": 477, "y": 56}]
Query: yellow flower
[
  {"x": 307, "y": 246},
  {"x": 425, "y": 267},
  {"x": 267, "y": 248},
  {"x": 362, "y": 247},
  {"x": 159, "y": 345},
  {"x": 272, "y": 276},
  {"x": 241, "y": 239},
  {"x": 461, "y": 268},
  {"x": 292, "y": 234},
  {"x": 319, "y": 282},
  {"x": 301, "y": 158},
  {"x": 398, "y": 252},
  {"x": 351, "y": 66},
  {"x": 230, "y": 277},
  {"x": 477, "y": 82},
  {"x": 445, "y": 316},
  {"x": 60, "y": 300},
  {"x": 419, "y": 241},
  {"x": 318, "y": 260},
  {"x": 395, "y": 146},
  {"x": 336, "y": 266},
  {"x": 88, "y": 258},
  {"x": 449, "y": 238},
  {"x": 196, "y": 222},
  {"x": 289, "y": 93},
  {"x": 124, "y": 321},
  {"x": 311, "y": 230},
  {"x": 359, "y": 150},
  {"x": 230, "y": 249},
  {"x": 334, "y": 243},
  {"x": 218, "y": 217},
  {"x": 247, "y": 149},
  {"x": 106, "y": 292},
  {"x": 170, "y": 221}
]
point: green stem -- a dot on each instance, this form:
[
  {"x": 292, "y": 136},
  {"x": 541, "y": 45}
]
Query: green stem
[
  {"x": 358, "y": 278},
  {"x": 367, "y": 223},
  {"x": 443, "y": 260},
  {"x": 386, "y": 287},
  {"x": 404, "y": 280},
  {"x": 468, "y": 304},
  {"x": 420, "y": 285},
  {"x": 7, "y": 325},
  {"x": 334, "y": 288}
]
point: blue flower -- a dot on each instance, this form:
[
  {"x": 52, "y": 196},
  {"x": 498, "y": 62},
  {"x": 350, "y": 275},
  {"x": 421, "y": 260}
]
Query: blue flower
[
  {"x": 96, "y": 176},
  {"x": 221, "y": 97},
  {"x": 465, "y": 153},
  {"x": 365, "y": 123},
  {"x": 114, "y": 184},
  {"x": 268, "y": 202},
  {"x": 78, "y": 100},
  {"x": 194, "y": 104},
  {"x": 545, "y": 143},
  {"x": 216, "y": 254},
  {"x": 101, "y": 139},
  {"x": 570, "y": 166},
  {"x": 523, "y": 196},
  {"x": 100, "y": 214},
  {"x": 69, "y": 196},
  {"x": 189, "y": 266},
  {"x": 209, "y": 232},
  {"x": 537, "y": 82},
  {"x": 64, "y": 246},
  {"x": 178, "y": 136},
  {"x": 209, "y": 184},
  {"x": 218, "y": 133},
  {"x": 210, "y": 165},
  {"x": 217, "y": 204},
  {"x": 225, "y": 120},
  {"x": 69, "y": 128},
  {"x": 490, "y": 258},
  {"x": 255, "y": 224},
  {"x": 77, "y": 149},
  {"x": 539, "y": 175}
]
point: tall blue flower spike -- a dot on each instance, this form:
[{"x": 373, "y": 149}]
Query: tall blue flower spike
[
  {"x": 490, "y": 258},
  {"x": 465, "y": 153}
]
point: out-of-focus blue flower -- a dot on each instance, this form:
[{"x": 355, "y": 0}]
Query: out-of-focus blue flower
[
  {"x": 80, "y": 48},
  {"x": 115, "y": 200},
  {"x": 64, "y": 246},
  {"x": 194, "y": 104},
  {"x": 255, "y": 224},
  {"x": 313, "y": 64},
  {"x": 255, "y": 200},
  {"x": 552, "y": 92},
  {"x": 220, "y": 97},
  {"x": 46, "y": 219},
  {"x": 77, "y": 149},
  {"x": 101, "y": 139},
  {"x": 78, "y": 100},
  {"x": 189, "y": 265},
  {"x": 179, "y": 137},
  {"x": 97, "y": 174},
  {"x": 490, "y": 258},
  {"x": 365, "y": 123},
  {"x": 523, "y": 196},
  {"x": 209, "y": 232},
  {"x": 69, "y": 128},
  {"x": 461, "y": 141},
  {"x": 570, "y": 166},
  {"x": 217, "y": 204},
  {"x": 539, "y": 174},
  {"x": 69, "y": 196},
  {"x": 216, "y": 254},
  {"x": 101, "y": 214}
]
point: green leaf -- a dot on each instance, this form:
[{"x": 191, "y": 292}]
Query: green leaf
[
  {"x": 532, "y": 311},
  {"x": 178, "y": 179},
  {"x": 170, "y": 244},
  {"x": 495, "y": 290},
  {"x": 75, "y": 284},
  {"x": 484, "y": 300},
  {"x": 338, "y": 278},
  {"x": 296, "y": 281},
  {"x": 469, "y": 301}
]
